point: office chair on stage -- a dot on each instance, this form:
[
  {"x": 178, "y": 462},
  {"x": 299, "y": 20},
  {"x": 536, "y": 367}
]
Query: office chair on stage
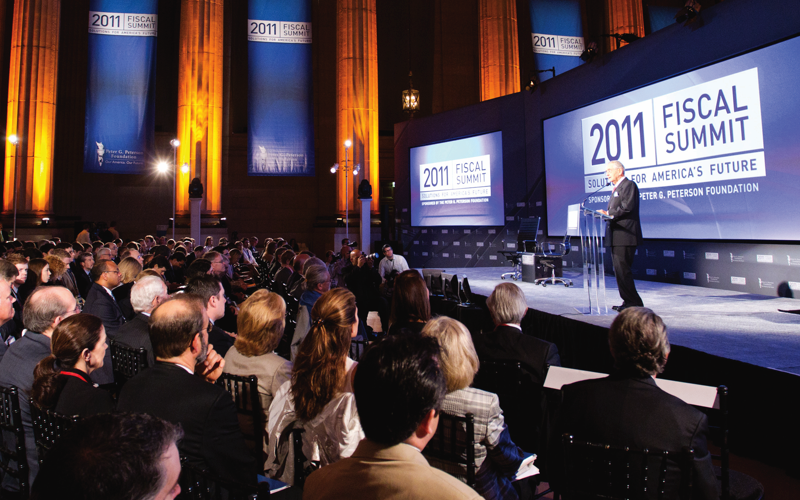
[
  {"x": 553, "y": 251},
  {"x": 526, "y": 243}
]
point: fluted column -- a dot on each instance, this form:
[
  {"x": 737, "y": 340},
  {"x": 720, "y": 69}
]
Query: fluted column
[
  {"x": 200, "y": 101},
  {"x": 499, "y": 48},
  {"x": 32, "y": 105},
  {"x": 357, "y": 97},
  {"x": 623, "y": 16}
]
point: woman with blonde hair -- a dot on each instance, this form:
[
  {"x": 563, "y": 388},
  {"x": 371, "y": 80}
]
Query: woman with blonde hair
[
  {"x": 260, "y": 323},
  {"x": 497, "y": 458},
  {"x": 319, "y": 397},
  {"x": 129, "y": 269}
]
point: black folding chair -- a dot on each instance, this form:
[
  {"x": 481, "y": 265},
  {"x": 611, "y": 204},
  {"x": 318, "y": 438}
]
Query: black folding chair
[
  {"x": 454, "y": 443},
  {"x": 48, "y": 426},
  {"x": 198, "y": 483},
  {"x": 601, "y": 471},
  {"x": 126, "y": 362},
  {"x": 252, "y": 419},
  {"x": 11, "y": 424}
]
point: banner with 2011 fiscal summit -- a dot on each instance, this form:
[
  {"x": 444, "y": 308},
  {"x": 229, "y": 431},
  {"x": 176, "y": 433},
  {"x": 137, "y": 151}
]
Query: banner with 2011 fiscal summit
[
  {"x": 121, "y": 86},
  {"x": 280, "y": 101}
]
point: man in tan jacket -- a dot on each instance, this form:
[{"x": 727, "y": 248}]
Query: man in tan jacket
[{"x": 399, "y": 390}]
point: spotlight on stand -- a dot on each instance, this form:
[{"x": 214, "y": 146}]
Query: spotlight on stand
[
  {"x": 357, "y": 169},
  {"x": 624, "y": 37},
  {"x": 162, "y": 167},
  {"x": 185, "y": 168},
  {"x": 688, "y": 13},
  {"x": 334, "y": 168},
  {"x": 590, "y": 52}
]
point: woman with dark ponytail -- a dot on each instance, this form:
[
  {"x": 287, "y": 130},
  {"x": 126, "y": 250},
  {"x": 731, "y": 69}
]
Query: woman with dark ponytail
[
  {"x": 319, "y": 397},
  {"x": 61, "y": 380}
]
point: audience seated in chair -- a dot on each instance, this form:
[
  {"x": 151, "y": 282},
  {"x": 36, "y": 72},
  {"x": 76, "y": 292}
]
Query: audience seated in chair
[
  {"x": 100, "y": 302},
  {"x": 129, "y": 269},
  {"x": 318, "y": 281},
  {"x": 146, "y": 294},
  {"x": 261, "y": 323},
  {"x": 497, "y": 458},
  {"x": 210, "y": 289},
  {"x": 45, "y": 309},
  {"x": 121, "y": 456},
  {"x": 320, "y": 396},
  {"x": 399, "y": 388},
  {"x": 627, "y": 408},
  {"x": 177, "y": 389},
  {"x": 61, "y": 380},
  {"x": 411, "y": 305},
  {"x": 8, "y": 328}
]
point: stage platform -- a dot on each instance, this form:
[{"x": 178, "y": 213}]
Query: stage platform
[{"x": 738, "y": 326}]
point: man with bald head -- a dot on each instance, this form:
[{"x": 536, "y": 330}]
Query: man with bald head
[
  {"x": 180, "y": 389},
  {"x": 101, "y": 302},
  {"x": 45, "y": 308}
]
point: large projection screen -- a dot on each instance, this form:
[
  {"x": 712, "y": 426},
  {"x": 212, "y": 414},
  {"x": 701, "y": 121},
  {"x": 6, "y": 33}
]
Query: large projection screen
[
  {"x": 458, "y": 183},
  {"x": 715, "y": 152}
]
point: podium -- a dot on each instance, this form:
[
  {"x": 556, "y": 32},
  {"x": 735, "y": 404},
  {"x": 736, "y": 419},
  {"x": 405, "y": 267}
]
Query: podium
[{"x": 591, "y": 230}]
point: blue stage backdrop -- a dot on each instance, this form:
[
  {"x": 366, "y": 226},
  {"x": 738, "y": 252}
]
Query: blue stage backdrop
[
  {"x": 557, "y": 35},
  {"x": 280, "y": 101},
  {"x": 120, "y": 94}
]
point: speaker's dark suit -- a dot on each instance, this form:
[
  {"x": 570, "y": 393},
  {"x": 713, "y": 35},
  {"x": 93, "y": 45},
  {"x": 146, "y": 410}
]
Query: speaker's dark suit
[
  {"x": 623, "y": 235},
  {"x": 527, "y": 420},
  {"x": 136, "y": 333},
  {"x": 100, "y": 303},
  {"x": 635, "y": 412},
  {"x": 205, "y": 411}
]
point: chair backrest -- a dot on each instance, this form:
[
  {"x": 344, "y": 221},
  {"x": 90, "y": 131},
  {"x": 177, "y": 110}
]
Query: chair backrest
[
  {"x": 454, "y": 442},
  {"x": 126, "y": 362},
  {"x": 48, "y": 426},
  {"x": 357, "y": 348},
  {"x": 11, "y": 422},
  {"x": 300, "y": 474},
  {"x": 601, "y": 471},
  {"x": 520, "y": 398},
  {"x": 528, "y": 233},
  {"x": 198, "y": 483},
  {"x": 244, "y": 391}
]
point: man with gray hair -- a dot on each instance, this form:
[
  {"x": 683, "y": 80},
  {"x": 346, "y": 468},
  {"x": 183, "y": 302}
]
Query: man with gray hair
[
  {"x": 627, "y": 408},
  {"x": 146, "y": 295},
  {"x": 507, "y": 342},
  {"x": 44, "y": 309}
]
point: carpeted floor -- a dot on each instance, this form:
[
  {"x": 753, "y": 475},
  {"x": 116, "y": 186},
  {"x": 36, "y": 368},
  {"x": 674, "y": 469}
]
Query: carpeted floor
[{"x": 739, "y": 326}]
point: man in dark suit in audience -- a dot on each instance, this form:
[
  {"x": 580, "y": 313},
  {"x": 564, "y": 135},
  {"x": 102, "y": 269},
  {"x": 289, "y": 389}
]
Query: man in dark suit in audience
[
  {"x": 100, "y": 302},
  {"x": 527, "y": 419},
  {"x": 627, "y": 408},
  {"x": 83, "y": 269},
  {"x": 45, "y": 308},
  {"x": 146, "y": 295},
  {"x": 180, "y": 389},
  {"x": 8, "y": 274},
  {"x": 210, "y": 289}
]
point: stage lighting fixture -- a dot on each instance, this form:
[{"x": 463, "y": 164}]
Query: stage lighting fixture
[
  {"x": 185, "y": 168},
  {"x": 334, "y": 168},
  {"x": 590, "y": 52},
  {"x": 357, "y": 169},
  {"x": 624, "y": 37},
  {"x": 347, "y": 143},
  {"x": 534, "y": 80},
  {"x": 687, "y": 14},
  {"x": 13, "y": 139},
  {"x": 162, "y": 167},
  {"x": 175, "y": 143},
  {"x": 45, "y": 221}
]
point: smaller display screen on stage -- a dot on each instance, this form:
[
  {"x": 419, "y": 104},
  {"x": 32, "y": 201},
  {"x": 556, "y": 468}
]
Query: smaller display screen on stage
[
  {"x": 458, "y": 183},
  {"x": 713, "y": 151}
]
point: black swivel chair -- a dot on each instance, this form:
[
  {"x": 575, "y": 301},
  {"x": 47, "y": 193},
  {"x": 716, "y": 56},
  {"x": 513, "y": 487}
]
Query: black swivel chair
[
  {"x": 553, "y": 251},
  {"x": 526, "y": 243}
]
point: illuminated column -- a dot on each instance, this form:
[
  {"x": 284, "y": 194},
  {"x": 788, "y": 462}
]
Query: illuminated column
[
  {"x": 357, "y": 97},
  {"x": 499, "y": 48},
  {"x": 200, "y": 102},
  {"x": 32, "y": 105},
  {"x": 623, "y": 16}
]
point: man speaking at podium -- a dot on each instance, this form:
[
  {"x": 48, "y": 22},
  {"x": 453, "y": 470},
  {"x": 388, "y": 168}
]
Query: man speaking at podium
[{"x": 623, "y": 232}]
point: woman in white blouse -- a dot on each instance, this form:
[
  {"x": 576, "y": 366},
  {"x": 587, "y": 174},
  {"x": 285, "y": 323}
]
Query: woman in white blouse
[{"x": 319, "y": 397}]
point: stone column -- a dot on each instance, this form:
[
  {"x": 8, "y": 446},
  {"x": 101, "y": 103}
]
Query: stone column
[
  {"x": 357, "y": 98},
  {"x": 32, "y": 106},
  {"x": 623, "y": 16},
  {"x": 200, "y": 102},
  {"x": 499, "y": 48}
]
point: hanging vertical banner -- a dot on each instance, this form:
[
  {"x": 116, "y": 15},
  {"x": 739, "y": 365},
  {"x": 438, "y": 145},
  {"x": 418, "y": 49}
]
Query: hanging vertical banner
[
  {"x": 280, "y": 128},
  {"x": 121, "y": 86},
  {"x": 557, "y": 35}
]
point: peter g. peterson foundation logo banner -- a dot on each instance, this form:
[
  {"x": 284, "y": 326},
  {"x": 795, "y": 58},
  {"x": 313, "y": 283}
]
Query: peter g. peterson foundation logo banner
[{"x": 120, "y": 92}]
